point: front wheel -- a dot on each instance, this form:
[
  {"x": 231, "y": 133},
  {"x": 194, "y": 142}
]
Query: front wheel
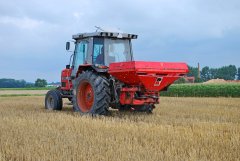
[
  {"x": 91, "y": 94},
  {"x": 53, "y": 100}
]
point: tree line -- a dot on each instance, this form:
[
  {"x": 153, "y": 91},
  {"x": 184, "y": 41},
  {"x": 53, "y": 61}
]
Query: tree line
[
  {"x": 12, "y": 83},
  {"x": 230, "y": 72}
]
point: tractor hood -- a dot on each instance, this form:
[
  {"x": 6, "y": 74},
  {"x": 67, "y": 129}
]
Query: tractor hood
[{"x": 154, "y": 76}]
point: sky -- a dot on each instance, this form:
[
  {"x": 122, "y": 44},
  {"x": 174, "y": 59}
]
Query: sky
[{"x": 33, "y": 33}]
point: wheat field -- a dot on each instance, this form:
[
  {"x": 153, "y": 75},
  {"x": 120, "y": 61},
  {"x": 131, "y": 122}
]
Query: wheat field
[{"x": 178, "y": 129}]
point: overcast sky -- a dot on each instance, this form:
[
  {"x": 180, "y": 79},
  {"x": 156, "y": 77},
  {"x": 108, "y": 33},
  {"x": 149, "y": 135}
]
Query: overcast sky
[{"x": 33, "y": 33}]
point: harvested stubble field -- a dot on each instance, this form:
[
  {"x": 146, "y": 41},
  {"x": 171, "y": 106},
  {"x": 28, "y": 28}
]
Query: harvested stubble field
[{"x": 179, "y": 129}]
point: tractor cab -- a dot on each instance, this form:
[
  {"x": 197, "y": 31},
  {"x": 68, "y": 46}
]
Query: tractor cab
[{"x": 101, "y": 49}]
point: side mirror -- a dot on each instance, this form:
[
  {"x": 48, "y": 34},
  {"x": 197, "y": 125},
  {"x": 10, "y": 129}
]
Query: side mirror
[
  {"x": 67, "y": 66},
  {"x": 67, "y": 45}
]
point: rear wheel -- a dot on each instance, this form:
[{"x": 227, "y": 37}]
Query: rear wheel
[
  {"x": 91, "y": 94},
  {"x": 53, "y": 100}
]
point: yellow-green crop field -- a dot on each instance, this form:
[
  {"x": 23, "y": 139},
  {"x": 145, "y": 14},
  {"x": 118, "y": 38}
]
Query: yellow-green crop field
[{"x": 182, "y": 128}]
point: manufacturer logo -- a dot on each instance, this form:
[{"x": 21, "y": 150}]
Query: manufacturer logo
[{"x": 158, "y": 81}]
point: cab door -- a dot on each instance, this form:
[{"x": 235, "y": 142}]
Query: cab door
[{"x": 80, "y": 55}]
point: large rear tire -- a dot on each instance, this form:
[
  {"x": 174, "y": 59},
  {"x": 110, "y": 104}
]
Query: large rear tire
[
  {"x": 53, "y": 100},
  {"x": 91, "y": 94}
]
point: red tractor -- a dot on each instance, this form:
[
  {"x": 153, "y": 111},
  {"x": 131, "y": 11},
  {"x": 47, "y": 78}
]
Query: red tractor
[{"x": 103, "y": 74}]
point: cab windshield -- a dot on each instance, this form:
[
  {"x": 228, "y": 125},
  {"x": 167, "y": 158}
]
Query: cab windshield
[
  {"x": 117, "y": 50},
  {"x": 109, "y": 50}
]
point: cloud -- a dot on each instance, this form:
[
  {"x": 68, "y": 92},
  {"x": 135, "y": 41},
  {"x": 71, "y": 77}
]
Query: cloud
[
  {"x": 33, "y": 33},
  {"x": 77, "y": 15},
  {"x": 23, "y": 23}
]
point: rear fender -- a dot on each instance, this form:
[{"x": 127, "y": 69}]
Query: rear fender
[{"x": 90, "y": 67}]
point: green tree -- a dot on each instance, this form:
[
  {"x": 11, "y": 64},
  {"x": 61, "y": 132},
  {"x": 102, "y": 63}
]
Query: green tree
[
  {"x": 213, "y": 73},
  {"x": 40, "y": 83},
  {"x": 206, "y": 73},
  {"x": 30, "y": 85},
  {"x": 193, "y": 72},
  {"x": 238, "y": 74},
  {"x": 198, "y": 80},
  {"x": 227, "y": 72},
  {"x": 12, "y": 83},
  {"x": 180, "y": 81}
]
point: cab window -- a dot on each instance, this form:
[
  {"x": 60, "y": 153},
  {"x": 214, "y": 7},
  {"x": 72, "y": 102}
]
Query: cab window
[
  {"x": 98, "y": 51},
  {"x": 80, "y": 54}
]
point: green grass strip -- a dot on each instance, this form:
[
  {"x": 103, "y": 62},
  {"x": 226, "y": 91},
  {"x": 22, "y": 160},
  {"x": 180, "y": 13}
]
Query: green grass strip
[
  {"x": 17, "y": 95},
  {"x": 203, "y": 90},
  {"x": 34, "y": 88}
]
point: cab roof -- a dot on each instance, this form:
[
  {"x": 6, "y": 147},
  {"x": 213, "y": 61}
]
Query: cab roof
[{"x": 105, "y": 34}]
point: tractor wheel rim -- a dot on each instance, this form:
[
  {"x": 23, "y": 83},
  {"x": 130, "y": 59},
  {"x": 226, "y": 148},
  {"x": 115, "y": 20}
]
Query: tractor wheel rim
[
  {"x": 50, "y": 102},
  {"x": 85, "y": 96}
]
